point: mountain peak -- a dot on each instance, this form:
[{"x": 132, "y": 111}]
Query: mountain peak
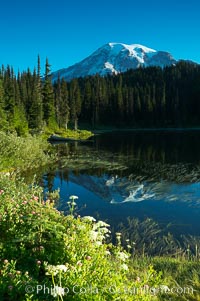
[
  {"x": 132, "y": 47},
  {"x": 113, "y": 58}
]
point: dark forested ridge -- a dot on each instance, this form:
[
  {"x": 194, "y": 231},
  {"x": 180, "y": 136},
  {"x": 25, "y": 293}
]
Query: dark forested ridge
[{"x": 145, "y": 97}]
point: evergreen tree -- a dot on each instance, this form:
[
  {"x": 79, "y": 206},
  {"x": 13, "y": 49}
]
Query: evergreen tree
[
  {"x": 36, "y": 108},
  {"x": 75, "y": 102},
  {"x": 3, "y": 121},
  {"x": 48, "y": 98}
]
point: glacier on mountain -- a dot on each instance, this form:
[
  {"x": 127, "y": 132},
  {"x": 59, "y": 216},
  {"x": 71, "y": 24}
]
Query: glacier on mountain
[{"x": 113, "y": 58}]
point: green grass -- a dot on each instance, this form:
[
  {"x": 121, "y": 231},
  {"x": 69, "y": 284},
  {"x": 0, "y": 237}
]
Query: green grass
[
  {"x": 181, "y": 276},
  {"x": 72, "y": 134}
]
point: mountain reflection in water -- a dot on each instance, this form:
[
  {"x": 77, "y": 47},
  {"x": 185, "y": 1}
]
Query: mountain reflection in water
[{"x": 135, "y": 174}]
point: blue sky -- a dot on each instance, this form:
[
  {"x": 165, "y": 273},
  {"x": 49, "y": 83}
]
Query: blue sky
[{"x": 67, "y": 31}]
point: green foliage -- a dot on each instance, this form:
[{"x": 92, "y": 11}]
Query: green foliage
[
  {"x": 41, "y": 248},
  {"x": 180, "y": 277},
  {"x": 18, "y": 153}
]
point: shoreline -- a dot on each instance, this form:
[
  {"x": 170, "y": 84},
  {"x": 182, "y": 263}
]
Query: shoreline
[{"x": 171, "y": 129}]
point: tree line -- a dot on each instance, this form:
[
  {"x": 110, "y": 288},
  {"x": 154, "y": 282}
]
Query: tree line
[{"x": 145, "y": 97}]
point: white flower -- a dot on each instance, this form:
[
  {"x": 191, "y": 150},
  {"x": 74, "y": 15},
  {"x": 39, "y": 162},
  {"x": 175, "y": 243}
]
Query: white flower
[
  {"x": 93, "y": 235},
  {"x": 124, "y": 267},
  {"x": 52, "y": 270},
  {"x": 118, "y": 234},
  {"x": 98, "y": 243},
  {"x": 73, "y": 197},
  {"x": 62, "y": 267},
  {"x": 107, "y": 252},
  {"x": 122, "y": 256},
  {"x": 100, "y": 224},
  {"x": 81, "y": 227},
  {"x": 55, "y": 269},
  {"x": 89, "y": 218},
  {"x": 57, "y": 291}
]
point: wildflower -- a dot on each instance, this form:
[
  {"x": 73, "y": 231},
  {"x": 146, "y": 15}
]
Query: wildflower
[
  {"x": 52, "y": 270},
  {"x": 35, "y": 198},
  {"x": 98, "y": 243},
  {"x": 62, "y": 267},
  {"x": 79, "y": 263},
  {"x": 101, "y": 224},
  {"x": 33, "y": 212},
  {"x": 107, "y": 235},
  {"x": 124, "y": 267},
  {"x": 93, "y": 235},
  {"x": 73, "y": 197},
  {"x": 38, "y": 262},
  {"x": 89, "y": 218},
  {"x": 88, "y": 257},
  {"x": 107, "y": 252},
  {"x": 138, "y": 279},
  {"x": 57, "y": 291},
  {"x": 1, "y": 191},
  {"x": 118, "y": 234},
  {"x": 10, "y": 287},
  {"x": 81, "y": 227},
  {"x": 18, "y": 272},
  {"x": 104, "y": 230},
  {"x": 5, "y": 261},
  {"x": 122, "y": 256},
  {"x": 146, "y": 287}
]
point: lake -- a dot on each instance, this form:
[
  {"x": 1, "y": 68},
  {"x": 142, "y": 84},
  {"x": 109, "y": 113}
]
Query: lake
[{"x": 137, "y": 174}]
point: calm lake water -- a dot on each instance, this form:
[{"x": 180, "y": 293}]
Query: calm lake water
[{"x": 135, "y": 174}]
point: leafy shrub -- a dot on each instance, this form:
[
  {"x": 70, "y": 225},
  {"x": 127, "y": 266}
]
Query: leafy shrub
[
  {"x": 46, "y": 255},
  {"x": 22, "y": 153}
]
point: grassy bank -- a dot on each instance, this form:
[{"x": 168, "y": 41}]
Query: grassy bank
[
  {"x": 42, "y": 251},
  {"x": 72, "y": 134}
]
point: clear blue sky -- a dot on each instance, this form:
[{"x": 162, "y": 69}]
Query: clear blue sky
[{"x": 67, "y": 31}]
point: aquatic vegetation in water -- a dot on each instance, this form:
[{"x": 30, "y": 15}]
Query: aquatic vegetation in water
[{"x": 147, "y": 237}]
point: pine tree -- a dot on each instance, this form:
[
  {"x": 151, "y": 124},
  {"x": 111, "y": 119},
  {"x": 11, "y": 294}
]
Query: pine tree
[
  {"x": 9, "y": 95},
  {"x": 64, "y": 105},
  {"x": 48, "y": 98},
  {"x": 3, "y": 121},
  {"x": 75, "y": 102},
  {"x": 36, "y": 109}
]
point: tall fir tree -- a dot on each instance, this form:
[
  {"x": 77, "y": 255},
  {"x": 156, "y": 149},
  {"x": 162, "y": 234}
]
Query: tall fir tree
[
  {"x": 3, "y": 120},
  {"x": 48, "y": 99},
  {"x": 75, "y": 102}
]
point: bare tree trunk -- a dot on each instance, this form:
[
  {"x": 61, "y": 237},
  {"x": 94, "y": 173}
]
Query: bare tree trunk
[{"x": 76, "y": 124}]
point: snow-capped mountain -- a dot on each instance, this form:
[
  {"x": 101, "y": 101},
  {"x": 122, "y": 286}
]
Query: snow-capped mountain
[{"x": 113, "y": 58}]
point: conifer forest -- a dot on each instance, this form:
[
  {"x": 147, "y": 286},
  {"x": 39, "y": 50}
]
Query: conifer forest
[{"x": 145, "y": 97}]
